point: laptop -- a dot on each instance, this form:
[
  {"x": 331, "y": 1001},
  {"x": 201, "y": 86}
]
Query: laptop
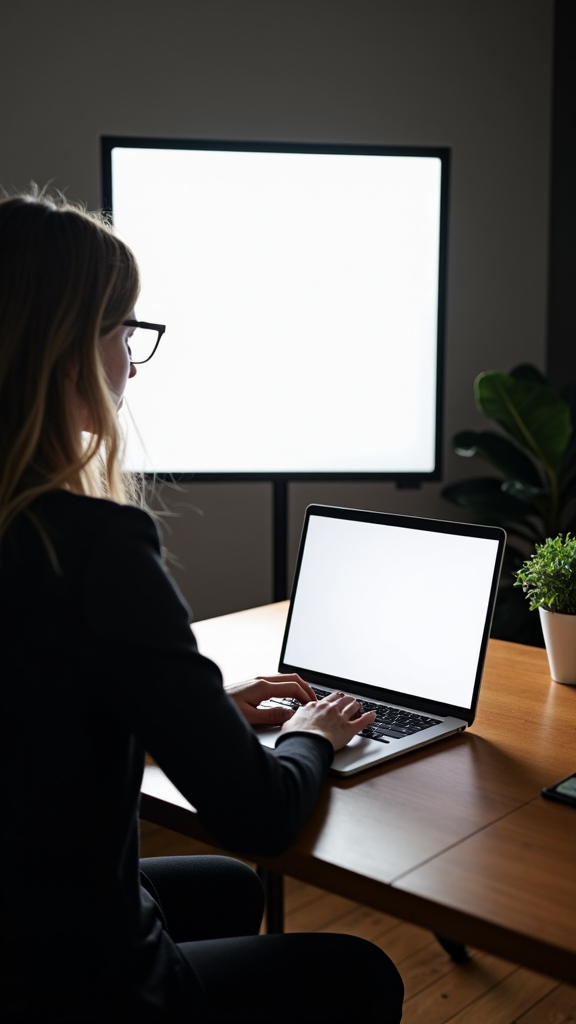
[{"x": 395, "y": 611}]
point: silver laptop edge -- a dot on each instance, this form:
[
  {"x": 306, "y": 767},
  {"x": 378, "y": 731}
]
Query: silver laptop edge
[{"x": 345, "y": 574}]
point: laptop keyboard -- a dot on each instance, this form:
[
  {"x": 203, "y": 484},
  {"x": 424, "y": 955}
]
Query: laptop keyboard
[{"x": 390, "y": 723}]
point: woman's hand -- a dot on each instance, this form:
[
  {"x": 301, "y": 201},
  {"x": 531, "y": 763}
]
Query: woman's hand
[
  {"x": 248, "y": 695},
  {"x": 335, "y": 717}
]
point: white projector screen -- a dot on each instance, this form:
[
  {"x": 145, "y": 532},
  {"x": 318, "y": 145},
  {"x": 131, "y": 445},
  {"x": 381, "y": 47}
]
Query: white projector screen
[{"x": 302, "y": 289}]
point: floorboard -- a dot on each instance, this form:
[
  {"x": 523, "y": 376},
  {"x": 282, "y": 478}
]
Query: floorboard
[{"x": 558, "y": 1007}]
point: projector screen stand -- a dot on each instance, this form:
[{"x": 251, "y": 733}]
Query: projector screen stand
[{"x": 280, "y": 540}]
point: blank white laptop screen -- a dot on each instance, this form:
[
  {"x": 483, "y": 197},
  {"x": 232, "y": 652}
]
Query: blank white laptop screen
[{"x": 397, "y": 608}]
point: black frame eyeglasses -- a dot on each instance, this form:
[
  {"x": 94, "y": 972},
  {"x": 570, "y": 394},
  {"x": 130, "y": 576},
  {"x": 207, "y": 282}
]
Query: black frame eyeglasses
[{"x": 159, "y": 328}]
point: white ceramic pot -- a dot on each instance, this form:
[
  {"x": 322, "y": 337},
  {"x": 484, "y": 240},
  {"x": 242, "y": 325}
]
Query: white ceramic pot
[{"x": 560, "y": 639}]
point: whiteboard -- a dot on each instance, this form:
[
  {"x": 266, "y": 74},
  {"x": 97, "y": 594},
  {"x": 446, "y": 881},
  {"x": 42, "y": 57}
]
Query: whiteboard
[{"x": 302, "y": 289}]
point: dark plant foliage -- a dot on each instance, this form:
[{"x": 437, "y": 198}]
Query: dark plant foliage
[{"x": 533, "y": 497}]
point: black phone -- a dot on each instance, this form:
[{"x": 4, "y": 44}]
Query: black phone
[{"x": 564, "y": 791}]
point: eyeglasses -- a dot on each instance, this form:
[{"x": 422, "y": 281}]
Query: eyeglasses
[{"x": 145, "y": 339}]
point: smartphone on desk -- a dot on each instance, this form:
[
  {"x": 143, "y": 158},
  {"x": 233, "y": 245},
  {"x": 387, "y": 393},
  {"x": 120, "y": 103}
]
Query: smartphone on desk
[{"x": 564, "y": 791}]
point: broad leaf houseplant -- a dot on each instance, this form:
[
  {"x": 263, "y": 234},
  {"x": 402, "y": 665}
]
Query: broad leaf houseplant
[
  {"x": 548, "y": 578},
  {"x": 532, "y": 490}
]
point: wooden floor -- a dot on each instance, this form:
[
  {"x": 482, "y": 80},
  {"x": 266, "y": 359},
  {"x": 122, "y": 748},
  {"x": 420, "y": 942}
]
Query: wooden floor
[{"x": 486, "y": 990}]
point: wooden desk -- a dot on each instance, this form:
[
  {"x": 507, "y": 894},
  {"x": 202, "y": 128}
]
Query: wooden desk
[{"x": 454, "y": 837}]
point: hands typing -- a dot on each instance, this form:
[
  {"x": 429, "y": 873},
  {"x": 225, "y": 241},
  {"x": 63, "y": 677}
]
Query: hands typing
[{"x": 289, "y": 701}]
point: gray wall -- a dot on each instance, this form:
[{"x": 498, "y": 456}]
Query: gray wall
[{"x": 474, "y": 75}]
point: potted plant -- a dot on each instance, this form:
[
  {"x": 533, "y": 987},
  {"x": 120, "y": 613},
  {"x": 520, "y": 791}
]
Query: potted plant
[
  {"x": 532, "y": 490},
  {"x": 548, "y": 578}
]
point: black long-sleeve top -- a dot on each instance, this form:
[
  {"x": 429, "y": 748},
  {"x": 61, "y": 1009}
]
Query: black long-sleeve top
[{"x": 99, "y": 665}]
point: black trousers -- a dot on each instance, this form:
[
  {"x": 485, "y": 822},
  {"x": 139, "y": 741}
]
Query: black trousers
[{"x": 213, "y": 908}]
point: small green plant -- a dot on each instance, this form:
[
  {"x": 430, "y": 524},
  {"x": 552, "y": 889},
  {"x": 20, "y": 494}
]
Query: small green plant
[{"x": 548, "y": 577}]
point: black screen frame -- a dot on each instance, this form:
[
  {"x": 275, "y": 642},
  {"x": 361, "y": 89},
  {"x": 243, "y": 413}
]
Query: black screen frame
[{"x": 443, "y": 153}]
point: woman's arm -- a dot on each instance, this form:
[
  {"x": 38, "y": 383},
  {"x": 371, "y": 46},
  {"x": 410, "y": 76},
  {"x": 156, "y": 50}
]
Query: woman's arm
[{"x": 148, "y": 672}]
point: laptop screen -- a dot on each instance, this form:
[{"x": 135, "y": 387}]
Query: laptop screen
[{"x": 401, "y": 608}]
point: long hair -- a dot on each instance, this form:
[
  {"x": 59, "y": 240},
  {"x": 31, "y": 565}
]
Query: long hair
[{"x": 66, "y": 280}]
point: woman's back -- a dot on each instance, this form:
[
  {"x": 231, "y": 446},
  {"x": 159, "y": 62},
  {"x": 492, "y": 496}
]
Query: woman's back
[
  {"x": 101, "y": 665},
  {"x": 74, "y": 767}
]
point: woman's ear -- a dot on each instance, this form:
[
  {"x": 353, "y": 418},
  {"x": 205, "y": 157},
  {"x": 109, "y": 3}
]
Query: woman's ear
[
  {"x": 72, "y": 369},
  {"x": 77, "y": 404}
]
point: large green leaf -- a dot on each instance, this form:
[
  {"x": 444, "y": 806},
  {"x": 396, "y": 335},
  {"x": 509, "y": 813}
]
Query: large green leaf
[
  {"x": 537, "y": 496},
  {"x": 500, "y": 452},
  {"x": 540, "y": 500},
  {"x": 485, "y": 496},
  {"x": 531, "y": 412}
]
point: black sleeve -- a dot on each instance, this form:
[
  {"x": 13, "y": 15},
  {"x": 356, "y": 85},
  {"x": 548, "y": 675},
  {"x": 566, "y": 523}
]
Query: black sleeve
[{"x": 149, "y": 673}]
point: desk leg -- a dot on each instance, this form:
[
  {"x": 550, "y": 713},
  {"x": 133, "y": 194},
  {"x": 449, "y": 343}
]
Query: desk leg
[
  {"x": 274, "y": 890},
  {"x": 456, "y": 950}
]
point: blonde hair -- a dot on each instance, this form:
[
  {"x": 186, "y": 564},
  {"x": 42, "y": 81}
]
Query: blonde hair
[{"x": 66, "y": 280}]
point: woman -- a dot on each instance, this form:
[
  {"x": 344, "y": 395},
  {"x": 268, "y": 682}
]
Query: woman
[{"x": 99, "y": 666}]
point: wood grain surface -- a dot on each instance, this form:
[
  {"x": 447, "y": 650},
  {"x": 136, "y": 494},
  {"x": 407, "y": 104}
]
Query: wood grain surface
[{"x": 454, "y": 837}]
